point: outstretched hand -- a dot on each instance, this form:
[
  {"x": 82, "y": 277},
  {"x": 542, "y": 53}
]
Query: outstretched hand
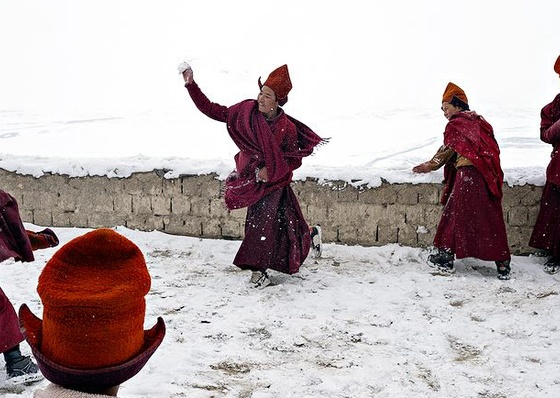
[{"x": 422, "y": 168}]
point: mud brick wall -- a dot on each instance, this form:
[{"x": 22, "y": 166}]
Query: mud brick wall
[{"x": 193, "y": 206}]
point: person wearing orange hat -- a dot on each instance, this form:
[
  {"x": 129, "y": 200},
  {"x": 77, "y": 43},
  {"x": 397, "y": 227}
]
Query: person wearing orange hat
[
  {"x": 546, "y": 232},
  {"x": 18, "y": 243},
  {"x": 472, "y": 222},
  {"x": 91, "y": 337},
  {"x": 271, "y": 146}
]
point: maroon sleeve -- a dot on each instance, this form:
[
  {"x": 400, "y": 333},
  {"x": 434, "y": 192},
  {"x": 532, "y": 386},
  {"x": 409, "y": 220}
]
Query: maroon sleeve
[
  {"x": 551, "y": 135},
  {"x": 550, "y": 127},
  {"x": 212, "y": 110},
  {"x": 14, "y": 241}
]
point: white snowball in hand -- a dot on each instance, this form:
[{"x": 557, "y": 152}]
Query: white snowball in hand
[{"x": 183, "y": 66}]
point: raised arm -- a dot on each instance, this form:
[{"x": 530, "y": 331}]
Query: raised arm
[{"x": 212, "y": 110}]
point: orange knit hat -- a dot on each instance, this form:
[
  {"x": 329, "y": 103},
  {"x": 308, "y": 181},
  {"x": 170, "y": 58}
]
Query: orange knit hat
[
  {"x": 92, "y": 292},
  {"x": 279, "y": 81},
  {"x": 557, "y": 65},
  {"x": 452, "y": 90}
]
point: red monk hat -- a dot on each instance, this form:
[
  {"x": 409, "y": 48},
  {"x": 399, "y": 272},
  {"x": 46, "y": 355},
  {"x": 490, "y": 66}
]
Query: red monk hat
[
  {"x": 279, "y": 81},
  {"x": 92, "y": 336},
  {"x": 557, "y": 65}
]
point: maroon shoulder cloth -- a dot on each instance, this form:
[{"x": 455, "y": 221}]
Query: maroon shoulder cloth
[
  {"x": 550, "y": 133},
  {"x": 470, "y": 135},
  {"x": 14, "y": 242},
  {"x": 258, "y": 147}
]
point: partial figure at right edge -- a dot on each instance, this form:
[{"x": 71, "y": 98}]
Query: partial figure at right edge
[{"x": 546, "y": 232}]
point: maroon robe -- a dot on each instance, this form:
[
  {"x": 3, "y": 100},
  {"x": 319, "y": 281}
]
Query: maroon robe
[
  {"x": 14, "y": 243},
  {"x": 276, "y": 234},
  {"x": 546, "y": 232},
  {"x": 10, "y": 333},
  {"x": 472, "y": 222}
]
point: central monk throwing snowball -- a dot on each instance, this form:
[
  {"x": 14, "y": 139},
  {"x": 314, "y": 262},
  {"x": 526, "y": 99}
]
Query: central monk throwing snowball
[{"x": 271, "y": 146}]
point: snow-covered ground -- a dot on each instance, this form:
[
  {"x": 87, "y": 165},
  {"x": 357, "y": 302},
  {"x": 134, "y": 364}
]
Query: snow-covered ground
[{"x": 360, "y": 322}]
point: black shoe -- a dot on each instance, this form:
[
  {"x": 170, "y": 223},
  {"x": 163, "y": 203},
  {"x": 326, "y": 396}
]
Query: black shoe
[
  {"x": 552, "y": 266},
  {"x": 504, "y": 270},
  {"x": 23, "y": 370},
  {"x": 442, "y": 261}
]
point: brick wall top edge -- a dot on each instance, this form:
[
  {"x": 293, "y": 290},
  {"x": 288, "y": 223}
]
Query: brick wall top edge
[{"x": 358, "y": 184}]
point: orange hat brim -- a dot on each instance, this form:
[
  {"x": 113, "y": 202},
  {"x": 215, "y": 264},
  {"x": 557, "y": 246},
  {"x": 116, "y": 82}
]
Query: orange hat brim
[{"x": 87, "y": 379}]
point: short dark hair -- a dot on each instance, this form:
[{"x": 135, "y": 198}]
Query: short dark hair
[{"x": 459, "y": 103}]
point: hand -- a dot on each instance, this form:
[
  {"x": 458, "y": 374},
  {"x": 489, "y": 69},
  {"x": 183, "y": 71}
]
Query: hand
[
  {"x": 188, "y": 75},
  {"x": 262, "y": 175},
  {"x": 185, "y": 69},
  {"x": 422, "y": 168}
]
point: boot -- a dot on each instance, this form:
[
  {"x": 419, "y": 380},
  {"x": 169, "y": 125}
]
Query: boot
[
  {"x": 442, "y": 261},
  {"x": 316, "y": 241},
  {"x": 21, "y": 369},
  {"x": 503, "y": 269},
  {"x": 260, "y": 279},
  {"x": 552, "y": 266}
]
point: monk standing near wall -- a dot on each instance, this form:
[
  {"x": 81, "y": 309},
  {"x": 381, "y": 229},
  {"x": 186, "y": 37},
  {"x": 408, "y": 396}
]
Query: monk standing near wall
[
  {"x": 472, "y": 223},
  {"x": 271, "y": 146},
  {"x": 546, "y": 233}
]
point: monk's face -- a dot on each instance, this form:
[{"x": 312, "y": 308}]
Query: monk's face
[
  {"x": 449, "y": 110},
  {"x": 267, "y": 102}
]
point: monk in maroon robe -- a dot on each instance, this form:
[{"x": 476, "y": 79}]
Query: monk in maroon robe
[
  {"x": 546, "y": 233},
  {"x": 18, "y": 243},
  {"x": 472, "y": 223},
  {"x": 271, "y": 146}
]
